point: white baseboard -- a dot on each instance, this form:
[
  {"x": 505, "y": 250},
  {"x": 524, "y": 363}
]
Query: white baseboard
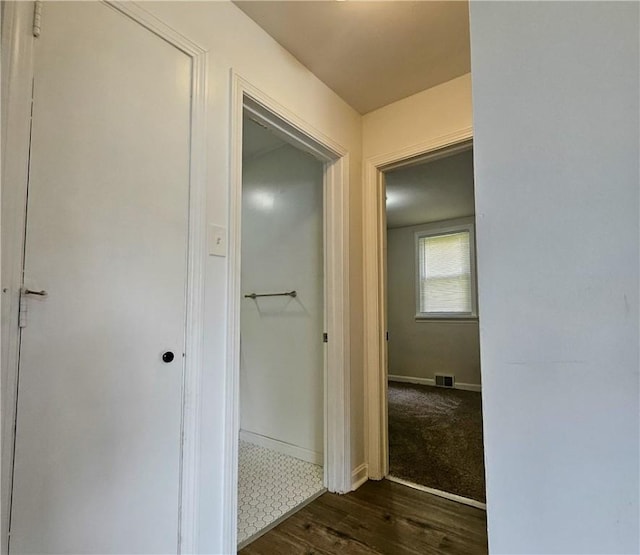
[
  {"x": 359, "y": 476},
  {"x": 431, "y": 381},
  {"x": 301, "y": 453},
  {"x": 440, "y": 493}
]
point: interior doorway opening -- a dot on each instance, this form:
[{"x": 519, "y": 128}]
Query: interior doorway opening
[
  {"x": 432, "y": 391},
  {"x": 375, "y": 321},
  {"x": 312, "y": 229},
  {"x": 282, "y": 321}
]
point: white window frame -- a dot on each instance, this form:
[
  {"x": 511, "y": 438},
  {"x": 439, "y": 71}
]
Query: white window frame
[{"x": 435, "y": 230}]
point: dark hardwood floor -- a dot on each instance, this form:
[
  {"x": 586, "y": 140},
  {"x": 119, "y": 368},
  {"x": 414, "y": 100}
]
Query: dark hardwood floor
[{"x": 380, "y": 517}]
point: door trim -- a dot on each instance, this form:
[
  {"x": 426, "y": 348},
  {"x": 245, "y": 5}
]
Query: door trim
[
  {"x": 375, "y": 311},
  {"x": 18, "y": 43},
  {"x": 17, "y": 72},
  {"x": 336, "y": 223}
]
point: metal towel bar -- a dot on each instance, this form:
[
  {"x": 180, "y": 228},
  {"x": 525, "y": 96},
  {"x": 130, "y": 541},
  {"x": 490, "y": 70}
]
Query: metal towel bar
[{"x": 256, "y": 295}]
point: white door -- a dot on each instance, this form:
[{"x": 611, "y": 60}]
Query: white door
[{"x": 97, "y": 453}]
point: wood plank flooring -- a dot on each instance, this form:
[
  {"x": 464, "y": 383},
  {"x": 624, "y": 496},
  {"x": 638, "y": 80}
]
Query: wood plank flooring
[{"x": 379, "y": 518}]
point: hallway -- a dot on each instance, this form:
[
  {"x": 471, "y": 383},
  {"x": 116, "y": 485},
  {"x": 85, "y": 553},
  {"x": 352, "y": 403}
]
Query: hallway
[{"x": 379, "y": 518}]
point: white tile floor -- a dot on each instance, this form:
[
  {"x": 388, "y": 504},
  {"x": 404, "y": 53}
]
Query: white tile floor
[{"x": 270, "y": 484}]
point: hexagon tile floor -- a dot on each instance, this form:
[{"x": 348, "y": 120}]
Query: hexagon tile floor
[{"x": 270, "y": 485}]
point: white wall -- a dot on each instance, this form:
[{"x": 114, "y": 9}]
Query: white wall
[
  {"x": 282, "y": 354},
  {"x": 235, "y": 42},
  {"x": 555, "y": 98},
  {"x": 422, "y": 348}
]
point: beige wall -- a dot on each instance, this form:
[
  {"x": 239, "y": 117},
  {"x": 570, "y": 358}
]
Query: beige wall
[
  {"x": 427, "y": 120},
  {"x": 423, "y": 117},
  {"x": 421, "y": 348}
]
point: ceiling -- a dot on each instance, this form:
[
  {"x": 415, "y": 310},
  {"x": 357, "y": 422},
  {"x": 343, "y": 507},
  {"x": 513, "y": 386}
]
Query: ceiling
[
  {"x": 257, "y": 140},
  {"x": 371, "y": 53},
  {"x": 431, "y": 192}
]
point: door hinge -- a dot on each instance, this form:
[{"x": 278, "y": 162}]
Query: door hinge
[
  {"x": 22, "y": 310},
  {"x": 386, "y": 336},
  {"x": 325, "y": 337},
  {"x": 37, "y": 16},
  {"x": 23, "y": 306}
]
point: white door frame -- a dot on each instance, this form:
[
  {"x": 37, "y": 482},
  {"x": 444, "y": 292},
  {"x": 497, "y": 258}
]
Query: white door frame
[
  {"x": 18, "y": 50},
  {"x": 336, "y": 233},
  {"x": 375, "y": 310}
]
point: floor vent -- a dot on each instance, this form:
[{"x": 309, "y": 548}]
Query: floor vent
[{"x": 443, "y": 380}]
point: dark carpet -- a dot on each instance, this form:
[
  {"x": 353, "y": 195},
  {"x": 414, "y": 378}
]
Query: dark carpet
[{"x": 435, "y": 438}]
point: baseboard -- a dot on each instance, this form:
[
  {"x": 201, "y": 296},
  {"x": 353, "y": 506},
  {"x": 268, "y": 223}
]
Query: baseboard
[
  {"x": 431, "y": 381},
  {"x": 301, "y": 453},
  {"x": 440, "y": 493},
  {"x": 359, "y": 476}
]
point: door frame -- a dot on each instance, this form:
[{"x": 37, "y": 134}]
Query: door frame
[
  {"x": 375, "y": 310},
  {"x": 337, "y": 427},
  {"x": 18, "y": 53}
]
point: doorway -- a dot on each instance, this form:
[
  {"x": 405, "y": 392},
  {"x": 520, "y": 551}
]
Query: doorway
[
  {"x": 433, "y": 393},
  {"x": 298, "y": 136},
  {"x": 282, "y": 321}
]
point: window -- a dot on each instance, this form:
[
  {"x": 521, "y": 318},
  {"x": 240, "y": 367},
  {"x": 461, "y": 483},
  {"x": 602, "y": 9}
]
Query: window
[{"x": 445, "y": 276}]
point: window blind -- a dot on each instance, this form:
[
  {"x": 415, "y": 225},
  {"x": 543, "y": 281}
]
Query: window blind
[{"x": 445, "y": 273}]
